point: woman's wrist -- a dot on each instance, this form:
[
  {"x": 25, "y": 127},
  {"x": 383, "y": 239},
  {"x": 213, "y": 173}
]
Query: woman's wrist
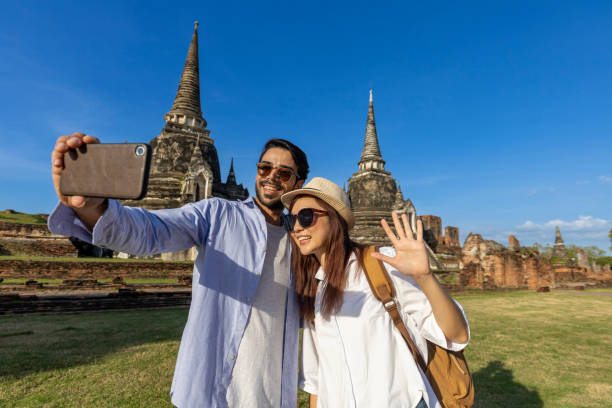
[{"x": 425, "y": 277}]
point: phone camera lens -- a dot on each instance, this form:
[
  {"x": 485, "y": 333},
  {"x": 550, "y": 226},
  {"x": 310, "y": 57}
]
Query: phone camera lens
[{"x": 140, "y": 150}]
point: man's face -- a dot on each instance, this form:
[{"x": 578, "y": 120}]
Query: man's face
[{"x": 271, "y": 187}]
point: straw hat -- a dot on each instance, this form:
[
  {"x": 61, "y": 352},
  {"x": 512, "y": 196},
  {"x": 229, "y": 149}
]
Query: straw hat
[{"x": 327, "y": 191}]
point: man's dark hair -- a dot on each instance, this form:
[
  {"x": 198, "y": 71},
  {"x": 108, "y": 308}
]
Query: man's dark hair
[{"x": 299, "y": 157}]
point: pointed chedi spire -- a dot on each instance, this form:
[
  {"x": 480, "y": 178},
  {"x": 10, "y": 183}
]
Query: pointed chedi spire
[
  {"x": 558, "y": 238},
  {"x": 399, "y": 199},
  {"x": 371, "y": 158},
  {"x": 398, "y": 194},
  {"x": 231, "y": 177},
  {"x": 187, "y": 109}
]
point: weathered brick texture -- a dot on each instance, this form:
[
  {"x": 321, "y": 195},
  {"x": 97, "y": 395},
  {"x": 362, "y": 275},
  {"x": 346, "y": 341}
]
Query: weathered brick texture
[{"x": 92, "y": 269}]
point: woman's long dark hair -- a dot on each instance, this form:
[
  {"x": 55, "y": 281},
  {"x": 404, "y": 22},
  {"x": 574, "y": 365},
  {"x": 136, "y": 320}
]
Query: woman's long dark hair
[{"x": 337, "y": 254}]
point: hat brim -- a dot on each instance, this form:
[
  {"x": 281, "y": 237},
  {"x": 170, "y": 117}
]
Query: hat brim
[{"x": 344, "y": 211}]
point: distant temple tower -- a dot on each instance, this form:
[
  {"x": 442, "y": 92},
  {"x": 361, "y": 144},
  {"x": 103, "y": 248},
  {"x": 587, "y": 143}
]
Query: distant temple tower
[
  {"x": 373, "y": 191},
  {"x": 185, "y": 164},
  {"x": 559, "y": 250}
]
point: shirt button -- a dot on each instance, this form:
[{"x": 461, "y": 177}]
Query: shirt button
[
  {"x": 249, "y": 300},
  {"x": 241, "y": 328},
  {"x": 262, "y": 249},
  {"x": 231, "y": 356}
]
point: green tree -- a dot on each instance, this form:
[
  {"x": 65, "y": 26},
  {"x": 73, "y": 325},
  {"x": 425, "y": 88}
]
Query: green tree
[
  {"x": 545, "y": 250},
  {"x": 610, "y": 236},
  {"x": 592, "y": 252}
]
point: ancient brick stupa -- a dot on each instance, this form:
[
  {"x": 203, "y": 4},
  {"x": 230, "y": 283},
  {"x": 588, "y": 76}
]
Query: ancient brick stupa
[
  {"x": 185, "y": 165},
  {"x": 565, "y": 270},
  {"x": 559, "y": 250},
  {"x": 373, "y": 192}
]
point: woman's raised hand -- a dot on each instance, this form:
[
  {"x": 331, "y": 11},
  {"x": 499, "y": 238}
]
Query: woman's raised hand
[{"x": 410, "y": 253}]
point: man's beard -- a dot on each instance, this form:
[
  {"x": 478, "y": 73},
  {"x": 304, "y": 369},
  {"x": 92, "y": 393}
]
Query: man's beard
[{"x": 274, "y": 205}]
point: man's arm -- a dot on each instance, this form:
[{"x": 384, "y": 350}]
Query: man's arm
[{"x": 106, "y": 223}]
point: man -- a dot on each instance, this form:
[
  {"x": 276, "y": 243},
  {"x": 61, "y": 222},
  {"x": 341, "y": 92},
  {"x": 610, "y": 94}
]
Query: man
[{"x": 239, "y": 346}]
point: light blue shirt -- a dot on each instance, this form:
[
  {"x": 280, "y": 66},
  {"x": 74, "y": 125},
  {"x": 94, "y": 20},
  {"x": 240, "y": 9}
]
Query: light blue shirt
[{"x": 231, "y": 240}]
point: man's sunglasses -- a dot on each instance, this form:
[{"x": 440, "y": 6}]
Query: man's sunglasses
[
  {"x": 284, "y": 173},
  {"x": 306, "y": 217}
]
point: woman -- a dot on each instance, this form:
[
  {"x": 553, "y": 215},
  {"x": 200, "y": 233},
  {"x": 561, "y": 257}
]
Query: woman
[{"x": 352, "y": 355}]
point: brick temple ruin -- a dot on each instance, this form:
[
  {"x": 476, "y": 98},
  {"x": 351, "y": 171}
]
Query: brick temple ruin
[
  {"x": 184, "y": 163},
  {"x": 480, "y": 263},
  {"x": 185, "y": 168},
  {"x": 374, "y": 194}
]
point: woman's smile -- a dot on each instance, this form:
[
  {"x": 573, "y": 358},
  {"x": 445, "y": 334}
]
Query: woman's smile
[{"x": 314, "y": 238}]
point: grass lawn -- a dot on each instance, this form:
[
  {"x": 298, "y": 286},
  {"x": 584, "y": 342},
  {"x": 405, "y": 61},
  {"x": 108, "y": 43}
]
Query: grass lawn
[
  {"x": 527, "y": 350},
  {"x": 21, "y": 218}
]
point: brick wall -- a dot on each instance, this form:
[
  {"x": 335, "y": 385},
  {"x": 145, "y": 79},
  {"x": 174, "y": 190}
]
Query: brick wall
[
  {"x": 56, "y": 247},
  {"x": 451, "y": 236},
  {"x": 11, "y": 229},
  {"x": 91, "y": 269},
  {"x": 434, "y": 224}
]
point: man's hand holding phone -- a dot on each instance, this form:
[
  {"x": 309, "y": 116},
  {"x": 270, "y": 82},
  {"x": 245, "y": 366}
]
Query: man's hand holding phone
[{"x": 89, "y": 209}]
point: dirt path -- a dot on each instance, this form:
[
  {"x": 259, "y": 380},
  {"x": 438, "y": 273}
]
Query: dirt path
[{"x": 575, "y": 292}]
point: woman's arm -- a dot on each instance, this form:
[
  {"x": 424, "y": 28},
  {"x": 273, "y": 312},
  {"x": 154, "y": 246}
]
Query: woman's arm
[
  {"x": 445, "y": 310},
  {"x": 411, "y": 260}
]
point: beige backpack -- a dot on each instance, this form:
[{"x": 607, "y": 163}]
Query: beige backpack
[{"x": 447, "y": 371}]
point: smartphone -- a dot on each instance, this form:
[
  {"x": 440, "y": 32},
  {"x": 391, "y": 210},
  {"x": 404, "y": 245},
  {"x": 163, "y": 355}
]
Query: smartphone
[{"x": 110, "y": 170}]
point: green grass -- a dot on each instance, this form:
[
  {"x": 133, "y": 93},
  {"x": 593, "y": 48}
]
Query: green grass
[
  {"x": 540, "y": 350},
  {"x": 21, "y": 218},
  {"x": 20, "y": 281},
  {"x": 527, "y": 350},
  {"x": 113, "y": 359}
]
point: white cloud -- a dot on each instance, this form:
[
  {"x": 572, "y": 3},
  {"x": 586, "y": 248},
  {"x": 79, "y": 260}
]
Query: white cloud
[
  {"x": 605, "y": 180},
  {"x": 583, "y": 223},
  {"x": 539, "y": 190},
  {"x": 585, "y": 230}
]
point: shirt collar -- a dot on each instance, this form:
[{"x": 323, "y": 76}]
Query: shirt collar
[{"x": 320, "y": 275}]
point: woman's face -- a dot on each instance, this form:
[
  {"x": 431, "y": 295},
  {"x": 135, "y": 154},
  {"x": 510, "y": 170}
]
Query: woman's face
[{"x": 314, "y": 238}]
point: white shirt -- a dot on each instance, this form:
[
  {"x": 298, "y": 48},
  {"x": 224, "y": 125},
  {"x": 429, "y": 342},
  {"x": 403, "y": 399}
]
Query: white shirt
[
  {"x": 358, "y": 358},
  {"x": 261, "y": 348}
]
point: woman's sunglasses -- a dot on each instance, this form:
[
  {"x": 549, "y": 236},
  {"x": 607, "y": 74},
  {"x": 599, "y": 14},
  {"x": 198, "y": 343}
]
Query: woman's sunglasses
[
  {"x": 284, "y": 173},
  {"x": 306, "y": 217}
]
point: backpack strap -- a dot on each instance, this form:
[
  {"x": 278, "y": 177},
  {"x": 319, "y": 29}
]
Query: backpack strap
[{"x": 383, "y": 290}]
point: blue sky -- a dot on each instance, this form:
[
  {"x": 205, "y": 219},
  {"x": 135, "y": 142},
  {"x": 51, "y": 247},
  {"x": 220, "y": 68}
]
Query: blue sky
[{"x": 495, "y": 116}]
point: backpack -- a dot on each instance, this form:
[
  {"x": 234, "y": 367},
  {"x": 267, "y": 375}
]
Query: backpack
[{"x": 447, "y": 371}]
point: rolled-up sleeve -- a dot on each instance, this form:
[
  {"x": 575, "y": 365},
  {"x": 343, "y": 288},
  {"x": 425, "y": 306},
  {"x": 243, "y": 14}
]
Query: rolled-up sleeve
[
  {"x": 309, "y": 361},
  {"x": 432, "y": 331},
  {"x": 138, "y": 231},
  {"x": 417, "y": 312},
  {"x": 64, "y": 221}
]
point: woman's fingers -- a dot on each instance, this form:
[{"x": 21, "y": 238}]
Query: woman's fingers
[
  {"x": 407, "y": 227},
  {"x": 384, "y": 258},
  {"x": 390, "y": 233},
  {"x": 419, "y": 230}
]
